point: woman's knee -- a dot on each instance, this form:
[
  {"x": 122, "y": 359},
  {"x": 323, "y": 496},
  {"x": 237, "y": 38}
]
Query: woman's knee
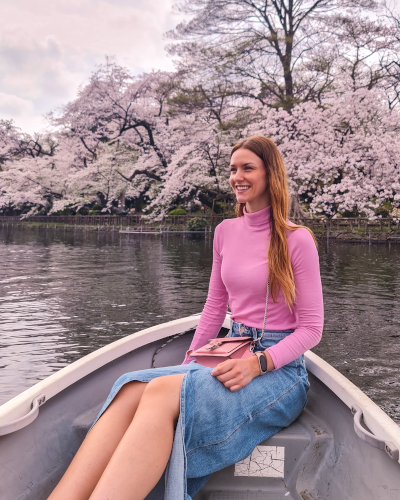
[
  {"x": 167, "y": 386},
  {"x": 165, "y": 393},
  {"x": 130, "y": 394}
]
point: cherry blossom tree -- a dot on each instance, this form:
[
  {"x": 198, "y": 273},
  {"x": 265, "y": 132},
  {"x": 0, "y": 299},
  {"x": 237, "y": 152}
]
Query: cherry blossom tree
[
  {"x": 198, "y": 171},
  {"x": 284, "y": 52},
  {"x": 120, "y": 136},
  {"x": 9, "y": 141},
  {"x": 109, "y": 142},
  {"x": 340, "y": 157},
  {"x": 20, "y": 154},
  {"x": 117, "y": 112}
]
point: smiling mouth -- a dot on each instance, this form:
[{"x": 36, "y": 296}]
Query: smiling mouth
[{"x": 242, "y": 188}]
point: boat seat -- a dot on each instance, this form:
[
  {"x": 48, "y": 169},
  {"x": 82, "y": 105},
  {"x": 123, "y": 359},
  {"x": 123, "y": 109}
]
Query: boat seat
[
  {"x": 277, "y": 468},
  {"x": 269, "y": 468}
]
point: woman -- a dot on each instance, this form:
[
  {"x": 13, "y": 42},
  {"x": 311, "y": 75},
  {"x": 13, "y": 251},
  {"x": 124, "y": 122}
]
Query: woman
[{"x": 213, "y": 418}]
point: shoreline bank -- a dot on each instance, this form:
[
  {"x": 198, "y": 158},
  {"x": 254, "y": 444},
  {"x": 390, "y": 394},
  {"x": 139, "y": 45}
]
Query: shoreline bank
[{"x": 349, "y": 235}]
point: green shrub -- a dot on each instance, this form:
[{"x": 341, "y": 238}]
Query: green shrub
[
  {"x": 65, "y": 211},
  {"x": 197, "y": 224},
  {"x": 220, "y": 206},
  {"x": 351, "y": 213},
  {"x": 177, "y": 211},
  {"x": 384, "y": 209}
]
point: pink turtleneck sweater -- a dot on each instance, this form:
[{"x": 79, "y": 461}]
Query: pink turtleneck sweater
[{"x": 239, "y": 276}]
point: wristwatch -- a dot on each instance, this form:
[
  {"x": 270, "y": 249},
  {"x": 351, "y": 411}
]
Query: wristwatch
[{"x": 262, "y": 361}]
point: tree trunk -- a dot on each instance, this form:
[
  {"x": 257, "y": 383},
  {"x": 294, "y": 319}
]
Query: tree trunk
[
  {"x": 295, "y": 210},
  {"x": 122, "y": 200},
  {"x": 101, "y": 200}
]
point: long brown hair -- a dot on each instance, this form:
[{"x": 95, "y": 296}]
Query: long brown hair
[{"x": 279, "y": 266}]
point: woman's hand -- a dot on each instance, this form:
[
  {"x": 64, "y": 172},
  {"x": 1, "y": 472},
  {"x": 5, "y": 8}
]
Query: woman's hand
[{"x": 236, "y": 373}]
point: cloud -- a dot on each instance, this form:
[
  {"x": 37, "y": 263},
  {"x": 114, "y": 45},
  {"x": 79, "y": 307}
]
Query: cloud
[
  {"x": 21, "y": 111},
  {"x": 11, "y": 104},
  {"x": 32, "y": 65},
  {"x": 47, "y": 49}
]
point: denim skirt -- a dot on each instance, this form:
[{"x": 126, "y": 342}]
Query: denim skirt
[{"x": 216, "y": 427}]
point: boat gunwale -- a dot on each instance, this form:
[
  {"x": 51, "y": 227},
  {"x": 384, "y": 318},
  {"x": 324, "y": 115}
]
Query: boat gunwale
[
  {"x": 52, "y": 385},
  {"x": 375, "y": 418}
]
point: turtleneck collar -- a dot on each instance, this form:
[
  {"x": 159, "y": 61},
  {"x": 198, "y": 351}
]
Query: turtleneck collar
[{"x": 258, "y": 220}]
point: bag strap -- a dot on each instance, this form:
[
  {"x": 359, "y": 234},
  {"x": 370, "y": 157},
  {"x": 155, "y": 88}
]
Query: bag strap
[{"x": 265, "y": 313}]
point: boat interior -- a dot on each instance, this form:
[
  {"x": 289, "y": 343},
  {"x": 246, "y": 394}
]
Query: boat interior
[{"x": 318, "y": 457}]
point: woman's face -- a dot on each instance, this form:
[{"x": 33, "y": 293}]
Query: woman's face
[{"x": 249, "y": 180}]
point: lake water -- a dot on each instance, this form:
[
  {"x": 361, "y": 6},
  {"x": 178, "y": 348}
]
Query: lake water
[{"x": 65, "y": 294}]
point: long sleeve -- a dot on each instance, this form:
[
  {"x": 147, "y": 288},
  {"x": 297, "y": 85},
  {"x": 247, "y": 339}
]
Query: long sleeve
[
  {"x": 216, "y": 305},
  {"x": 309, "y": 301}
]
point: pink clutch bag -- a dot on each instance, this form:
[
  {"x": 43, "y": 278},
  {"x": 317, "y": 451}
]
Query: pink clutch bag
[{"x": 222, "y": 349}]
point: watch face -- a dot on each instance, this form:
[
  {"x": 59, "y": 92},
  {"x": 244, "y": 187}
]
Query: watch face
[{"x": 263, "y": 363}]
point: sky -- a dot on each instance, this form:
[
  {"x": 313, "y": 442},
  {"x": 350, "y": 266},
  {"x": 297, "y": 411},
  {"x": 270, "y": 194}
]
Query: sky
[{"x": 49, "y": 47}]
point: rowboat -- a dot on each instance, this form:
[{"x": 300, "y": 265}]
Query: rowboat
[{"x": 342, "y": 446}]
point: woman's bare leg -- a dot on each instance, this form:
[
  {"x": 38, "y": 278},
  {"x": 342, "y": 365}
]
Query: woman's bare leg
[
  {"x": 142, "y": 455},
  {"x": 96, "y": 450}
]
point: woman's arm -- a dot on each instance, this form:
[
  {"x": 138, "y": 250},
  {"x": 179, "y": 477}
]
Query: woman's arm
[
  {"x": 309, "y": 301},
  {"x": 216, "y": 306}
]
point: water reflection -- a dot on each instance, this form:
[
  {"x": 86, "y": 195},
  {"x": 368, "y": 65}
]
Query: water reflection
[{"x": 66, "y": 293}]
